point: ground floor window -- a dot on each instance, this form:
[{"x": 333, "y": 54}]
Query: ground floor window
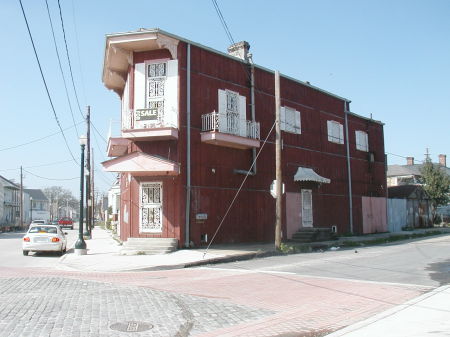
[{"x": 150, "y": 207}]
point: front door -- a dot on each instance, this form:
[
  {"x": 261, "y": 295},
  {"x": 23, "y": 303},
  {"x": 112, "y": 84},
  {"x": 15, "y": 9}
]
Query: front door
[
  {"x": 307, "y": 210},
  {"x": 150, "y": 212}
]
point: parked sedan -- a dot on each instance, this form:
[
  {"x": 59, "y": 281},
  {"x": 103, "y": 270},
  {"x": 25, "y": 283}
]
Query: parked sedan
[{"x": 44, "y": 238}]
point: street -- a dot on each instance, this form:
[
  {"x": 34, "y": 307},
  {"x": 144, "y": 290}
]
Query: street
[{"x": 296, "y": 295}]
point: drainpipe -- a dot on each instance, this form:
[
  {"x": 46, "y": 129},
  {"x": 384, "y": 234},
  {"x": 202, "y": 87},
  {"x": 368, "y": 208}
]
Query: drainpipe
[
  {"x": 188, "y": 150},
  {"x": 349, "y": 170},
  {"x": 252, "y": 172}
]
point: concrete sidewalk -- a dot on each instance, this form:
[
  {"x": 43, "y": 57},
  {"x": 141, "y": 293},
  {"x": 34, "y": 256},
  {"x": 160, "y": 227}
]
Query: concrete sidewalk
[
  {"x": 103, "y": 255},
  {"x": 426, "y": 315}
]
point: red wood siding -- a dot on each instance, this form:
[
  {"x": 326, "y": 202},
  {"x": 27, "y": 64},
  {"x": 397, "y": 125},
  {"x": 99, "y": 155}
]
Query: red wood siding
[{"x": 213, "y": 178}]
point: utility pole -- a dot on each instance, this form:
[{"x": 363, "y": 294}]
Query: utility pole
[
  {"x": 21, "y": 197},
  {"x": 92, "y": 191},
  {"x": 88, "y": 173},
  {"x": 278, "y": 175}
]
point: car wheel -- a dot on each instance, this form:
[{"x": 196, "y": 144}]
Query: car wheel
[{"x": 25, "y": 252}]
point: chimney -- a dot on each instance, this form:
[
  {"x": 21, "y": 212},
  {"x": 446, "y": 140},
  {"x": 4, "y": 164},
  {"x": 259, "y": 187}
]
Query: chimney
[
  {"x": 443, "y": 160},
  {"x": 240, "y": 50},
  {"x": 409, "y": 160}
]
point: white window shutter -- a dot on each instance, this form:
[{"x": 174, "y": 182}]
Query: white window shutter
[
  {"x": 242, "y": 116},
  {"x": 330, "y": 130},
  {"x": 298, "y": 123},
  {"x": 283, "y": 118},
  {"x": 139, "y": 86},
  {"x": 366, "y": 141},
  {"x": 171, "y": 94},
  {"x": 341, "y": 134},
  {"x": 222, "y": 107}
]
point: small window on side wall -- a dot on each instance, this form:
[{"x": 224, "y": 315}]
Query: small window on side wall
[
  {"x": 335, "y": 132},
  {"x": 290, "y": 120},
  {"x": 362, "y": 143}
]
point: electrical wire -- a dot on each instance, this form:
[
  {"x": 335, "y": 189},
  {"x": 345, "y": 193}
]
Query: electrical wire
[
  {"x": 45, "y": 83},
  {"x": 239, "y": 189},
  {"x": 41, "y": 165},
  {"x": 36, "y": 140},
  {"x": 78, "y": 51},
  {"x": 68, "y": 59},
  {"x": 57, "y": 179},
  {"x": 60, "y": 67}
]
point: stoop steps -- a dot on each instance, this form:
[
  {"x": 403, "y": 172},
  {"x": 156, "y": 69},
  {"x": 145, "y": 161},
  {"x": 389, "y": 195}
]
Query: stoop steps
[{"x": 148, "y": 246}]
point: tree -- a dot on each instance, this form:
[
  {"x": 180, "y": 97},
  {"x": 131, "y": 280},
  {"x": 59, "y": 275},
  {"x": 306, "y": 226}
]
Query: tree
[
  {"x": 436, "y": 183},
  {"x": 59, "y": 198}
]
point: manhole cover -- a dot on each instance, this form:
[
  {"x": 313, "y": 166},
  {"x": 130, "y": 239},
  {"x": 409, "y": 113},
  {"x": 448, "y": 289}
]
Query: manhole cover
[{"x": 131, "y": 326}]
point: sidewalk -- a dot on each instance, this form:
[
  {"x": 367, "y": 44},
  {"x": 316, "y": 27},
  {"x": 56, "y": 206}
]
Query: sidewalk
[
  {"x": 426, "y": 315},
  {"x": 103, "y": 253}
]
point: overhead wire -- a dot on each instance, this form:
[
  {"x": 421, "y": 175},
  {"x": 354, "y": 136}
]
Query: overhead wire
[
  {"x": 68, "y": 59},
  {"x": 45, "y": 83},
  {"x": 60, "y": 67},
  {"x": 56, "y": 179},
  {"x": 37, "y": 140}
]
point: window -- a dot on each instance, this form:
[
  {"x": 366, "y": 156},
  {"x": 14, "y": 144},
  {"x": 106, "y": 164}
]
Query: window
[
  {"x": 290, "y": 120},
  {"x": 335, "y": 132},
  {"x": 362, "y": 142}
]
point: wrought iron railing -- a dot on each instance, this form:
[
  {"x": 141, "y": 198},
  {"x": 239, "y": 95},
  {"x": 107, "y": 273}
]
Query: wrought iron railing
[
  {"x": 145, "y": 119},
  {"x": 231, "y": 124}
]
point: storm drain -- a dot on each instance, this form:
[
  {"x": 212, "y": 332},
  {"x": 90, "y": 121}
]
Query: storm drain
[{"x": 131, "y": 326}]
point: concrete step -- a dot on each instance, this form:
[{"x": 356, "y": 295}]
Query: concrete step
[
  {"x": 313, "y": 234},
  {"x": 148, "y": 246}
]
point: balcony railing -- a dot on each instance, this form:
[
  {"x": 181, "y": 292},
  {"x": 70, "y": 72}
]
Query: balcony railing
[
  {"x": 230, "y": 124},
  {"x": 146, "y": 119}
]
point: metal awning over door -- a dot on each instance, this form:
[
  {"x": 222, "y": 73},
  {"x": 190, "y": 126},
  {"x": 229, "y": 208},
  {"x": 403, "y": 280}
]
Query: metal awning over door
[{"x": 308, "y": 174}]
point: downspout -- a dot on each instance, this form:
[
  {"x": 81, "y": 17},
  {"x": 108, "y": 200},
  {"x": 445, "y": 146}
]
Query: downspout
[
  {"x": 349, "y": 170},
  {"x": 252, "y": 172},
  {"x": 188, "y": 144}
]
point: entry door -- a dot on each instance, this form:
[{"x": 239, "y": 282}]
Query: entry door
[
  {"x": 150, "y": 214},
  {"x": 307, "y": 210}
]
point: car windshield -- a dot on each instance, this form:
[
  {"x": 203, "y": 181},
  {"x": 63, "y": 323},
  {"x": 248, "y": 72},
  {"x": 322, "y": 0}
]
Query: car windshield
[{"x": 43, "y": 229}]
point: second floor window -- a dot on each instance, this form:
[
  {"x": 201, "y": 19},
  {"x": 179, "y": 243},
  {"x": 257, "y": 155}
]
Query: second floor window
[
  {"x": 362, "y": 142},
  {"x": 335, "y": 132},
  {"x": 290, "y": 120}
]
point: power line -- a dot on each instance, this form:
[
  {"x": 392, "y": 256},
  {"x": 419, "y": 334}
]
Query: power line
[
  {"x": 41, "y": 165},
  {"x": 60, "y": 67},
  {"x": 36, "y": 140},
  {"x": 68, "y": 59},
  {"x": 222, "y": 20},
  {"x": 62, "y": 179},
  {"x": 78, "y": 51},
  {"x": 45, "y": 83}
]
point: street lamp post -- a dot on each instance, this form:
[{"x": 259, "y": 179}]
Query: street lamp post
[{"x": 80, "y": 245}]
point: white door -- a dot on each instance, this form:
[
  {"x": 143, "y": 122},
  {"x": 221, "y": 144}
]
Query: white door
[
  {"x": 150, "y": 213},
  {"x": 307, "y": 210}
]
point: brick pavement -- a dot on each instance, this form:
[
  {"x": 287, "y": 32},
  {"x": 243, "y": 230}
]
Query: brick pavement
[{"x": 201, "y": 302}]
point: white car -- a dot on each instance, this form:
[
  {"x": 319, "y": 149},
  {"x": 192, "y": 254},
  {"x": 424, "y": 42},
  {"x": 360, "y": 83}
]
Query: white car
[{"x": 44, "y": 238}]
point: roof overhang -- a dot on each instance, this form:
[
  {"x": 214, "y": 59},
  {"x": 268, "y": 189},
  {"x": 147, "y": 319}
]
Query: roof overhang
[
  {"x": 308, "y": 174},
  {"x": 119, "y": 51},
  {"x": 142, "y": 165}
]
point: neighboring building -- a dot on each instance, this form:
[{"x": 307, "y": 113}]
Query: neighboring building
[
  {"x": 114, "y": 206},
  {"x": 39, "y": 205},
  {"x": 192, "y": 121},
  {"x": 9, "y": 204},
  {"x": 410, "y": 174},
  {"x": 408, "y": 206}
]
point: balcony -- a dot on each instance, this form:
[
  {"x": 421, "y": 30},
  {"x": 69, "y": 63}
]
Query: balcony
[
  {"x": 148, "y": 124},
  {"x": 228, "y": 130}
]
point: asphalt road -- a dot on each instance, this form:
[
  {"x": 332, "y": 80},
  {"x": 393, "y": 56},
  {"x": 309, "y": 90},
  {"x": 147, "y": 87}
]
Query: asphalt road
[
  {"x": 423, "y": 262},
  {"x": 11, "y": 251}
]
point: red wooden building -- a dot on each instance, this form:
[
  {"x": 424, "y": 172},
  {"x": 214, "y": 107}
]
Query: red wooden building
[{"x": 193, "y": 120}]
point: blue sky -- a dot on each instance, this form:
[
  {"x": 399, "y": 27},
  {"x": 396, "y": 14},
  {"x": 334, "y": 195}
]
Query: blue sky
[{"x": 390, "y": 58}]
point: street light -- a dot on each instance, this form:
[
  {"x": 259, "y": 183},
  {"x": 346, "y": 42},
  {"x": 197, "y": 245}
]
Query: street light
[
  {"x": 31, "y": 209},
  {"x": 80, "y": 245}
]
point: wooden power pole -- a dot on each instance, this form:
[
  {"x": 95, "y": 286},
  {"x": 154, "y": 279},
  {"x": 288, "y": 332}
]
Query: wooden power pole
[{"x": 278, "y": 175}]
